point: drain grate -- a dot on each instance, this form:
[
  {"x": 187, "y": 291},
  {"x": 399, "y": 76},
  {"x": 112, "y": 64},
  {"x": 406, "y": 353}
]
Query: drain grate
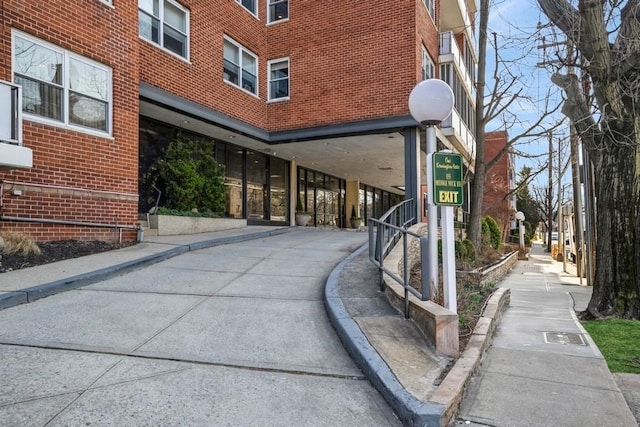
[{"x": 563, "y": 338}]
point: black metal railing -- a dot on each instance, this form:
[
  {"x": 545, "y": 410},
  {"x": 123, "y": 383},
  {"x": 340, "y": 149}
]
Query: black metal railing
[{"x": 384, "y": 234}]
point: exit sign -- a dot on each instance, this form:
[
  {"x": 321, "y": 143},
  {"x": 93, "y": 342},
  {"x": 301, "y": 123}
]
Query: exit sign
[{"x": 447, "y": 188}]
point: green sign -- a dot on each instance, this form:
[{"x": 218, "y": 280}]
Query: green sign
[{"x": 447, "y": 179}]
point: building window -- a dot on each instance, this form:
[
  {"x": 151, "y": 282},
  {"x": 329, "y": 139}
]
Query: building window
[
  {"x": 250, "y": 5},
  {"x": 165, "y": 23},
  {"x": 279, "y": 79},
  {"x": 240, "y": 67},
  {"x": 428, "y": 68},
  {"x": 60, "y": 86},
  {"x": 429, "y": 4},
  {"x": 278, "y": 10}
]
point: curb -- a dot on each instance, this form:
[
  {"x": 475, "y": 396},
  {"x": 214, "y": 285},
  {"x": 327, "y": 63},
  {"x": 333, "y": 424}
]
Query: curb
[
  {"x": 441, "y": 409},
  {"x": 34, "y": 293},
  {"x": 450, "y": 392},
  {"x": 410, "y": 410}
]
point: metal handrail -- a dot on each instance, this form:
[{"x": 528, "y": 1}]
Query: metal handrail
[{"x": 384, "y": 234}]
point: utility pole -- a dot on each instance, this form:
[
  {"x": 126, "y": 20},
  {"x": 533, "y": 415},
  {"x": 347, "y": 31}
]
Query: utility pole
[
  {"x": 577, "y": 188},
  {"x": 550, "y": 194},
  {"x": 560, "y": 256}
]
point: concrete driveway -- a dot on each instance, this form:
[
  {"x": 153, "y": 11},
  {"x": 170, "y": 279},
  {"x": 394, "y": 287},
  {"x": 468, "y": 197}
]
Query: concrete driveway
[{"x": 230, "y": 335}]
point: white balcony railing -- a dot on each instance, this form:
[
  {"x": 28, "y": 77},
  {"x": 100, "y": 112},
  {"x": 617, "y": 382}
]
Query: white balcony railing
[
  {"x": 454, "y": 128},
  {"x": 449, "y": 53}
]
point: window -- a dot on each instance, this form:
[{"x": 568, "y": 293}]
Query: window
[
  {"x": 250, "y": 5},
  {"x": 279, "y": 79},
  {"x": 240, "y": 67},
  {"x": 61, "y": 86},
  {"x": 278, "y": 10},
  {"x": 428, "y": 68},
  {"x": 165, "y": 23},
  {"x": 429, "y": 4}
]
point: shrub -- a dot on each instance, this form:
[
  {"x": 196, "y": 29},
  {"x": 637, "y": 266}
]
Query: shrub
[
  {"x": 470, "y": 249},
  {"x": 16, "y": 243},
  {"x": 491, "y": 234},
  {"x": 191, "y": 177}
]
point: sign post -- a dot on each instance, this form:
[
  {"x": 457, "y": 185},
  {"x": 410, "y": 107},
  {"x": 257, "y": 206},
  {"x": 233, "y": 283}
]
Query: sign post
[{"x": 445, "y": 179}]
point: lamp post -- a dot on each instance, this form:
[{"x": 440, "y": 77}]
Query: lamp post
[
  {"x": 430, "y": 102},
  {"x": 520, "y": 218}
]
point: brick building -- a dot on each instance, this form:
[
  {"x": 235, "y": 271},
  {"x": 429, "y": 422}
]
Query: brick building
[
  {"x": 296, "y": 98},
  {"x": 499, "y": 195}
]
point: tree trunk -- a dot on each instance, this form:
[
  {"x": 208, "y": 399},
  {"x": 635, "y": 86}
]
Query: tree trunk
[
  {"x": 474, "y": 229},
  {"x": 616, "y": 291}
]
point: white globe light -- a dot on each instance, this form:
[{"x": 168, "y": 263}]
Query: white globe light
[
  {"x": 431, "y": 101},
  {"x": 520, "y": 216}
]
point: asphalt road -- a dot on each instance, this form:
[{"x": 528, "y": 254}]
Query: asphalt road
[{"x": 234, "y": 335}]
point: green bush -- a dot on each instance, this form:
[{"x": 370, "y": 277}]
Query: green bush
[
  {"x": 491, "y": 234},
  {"x": 191, "y": 177},
  {"x": 460, "y": 250},
  {"x": 176, "y": 212},
  {"x": 470, "y": 250}
]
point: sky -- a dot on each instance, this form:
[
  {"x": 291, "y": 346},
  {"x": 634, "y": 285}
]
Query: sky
[{"x": 515, "y": 23}]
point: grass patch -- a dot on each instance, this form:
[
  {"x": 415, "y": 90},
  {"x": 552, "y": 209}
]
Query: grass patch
[{"x": 619, "y": 343}]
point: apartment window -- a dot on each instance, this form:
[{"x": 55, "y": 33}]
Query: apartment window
[
  {"x": 429, "y": 4},
  {"x": 469, "y": 60},
  {"x": 165, "y": 23},
  {"x": 428, "y": 68},
  {"x": 278, "y": 10},
  {"x": 60, "y": 86},
  {"x": 279, "y": 79},
  {"x": 250, "y": 5},
  {"x": 240, "y": 66}
]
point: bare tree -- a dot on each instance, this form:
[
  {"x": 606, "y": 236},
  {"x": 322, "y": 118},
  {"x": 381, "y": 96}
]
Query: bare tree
[
  {"x": 506, "y": 93},
  {"x": 606, "y": 35}
]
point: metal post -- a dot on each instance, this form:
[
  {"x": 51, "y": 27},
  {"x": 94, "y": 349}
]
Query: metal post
[
  {"x": 412, "y": 169},
  {"x": 432, "y": 224},
  {"x": 449, "y": 259}
]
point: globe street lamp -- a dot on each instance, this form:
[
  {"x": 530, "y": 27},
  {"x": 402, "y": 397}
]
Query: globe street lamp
[{"x": 430, "y": 102}]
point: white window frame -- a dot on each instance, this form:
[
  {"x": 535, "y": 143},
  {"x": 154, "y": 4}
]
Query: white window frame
[
  {"x": 430, "y": 5},
  {"x": 270, "y": 96},
  {"x": 427, "y": 65},
  {"x": 253, "y": 12},
  {"x": 162, "y": 23},
  {"x": 242, "y": 50},
  {"x": 107, "y": 2},
  {"x": 67, "y": 56},
  {"x": 270, "y": 19}
]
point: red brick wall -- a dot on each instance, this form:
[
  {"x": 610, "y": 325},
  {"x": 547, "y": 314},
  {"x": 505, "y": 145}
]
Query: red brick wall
[
  {"x": 77, "y": 176},
  {"x": 349, "y": 61},
  {"x": 496, "y": 194}
]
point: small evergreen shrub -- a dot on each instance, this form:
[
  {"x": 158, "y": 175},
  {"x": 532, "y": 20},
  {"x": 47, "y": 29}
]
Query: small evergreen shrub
[
  {"x": 491, "y": 234},
  {"x": 191, "y": 177},
  {"x": 470, "y": 250}
]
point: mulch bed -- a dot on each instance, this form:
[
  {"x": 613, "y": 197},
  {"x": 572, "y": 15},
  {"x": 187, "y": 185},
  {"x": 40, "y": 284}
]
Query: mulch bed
[{"x": 56, "y": 251}]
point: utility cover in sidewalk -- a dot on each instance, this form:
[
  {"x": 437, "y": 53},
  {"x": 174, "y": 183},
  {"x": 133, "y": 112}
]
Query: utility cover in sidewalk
[{"x": 563, "y": 338}]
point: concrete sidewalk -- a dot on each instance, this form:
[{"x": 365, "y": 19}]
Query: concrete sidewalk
[
  {"x": 233, "y": 335},
  {"x": 30, "y": 284},
  {"x": 543, "y": 369}
]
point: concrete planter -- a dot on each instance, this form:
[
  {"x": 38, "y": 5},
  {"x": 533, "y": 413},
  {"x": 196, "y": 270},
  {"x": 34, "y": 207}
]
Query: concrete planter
[
  {"x": 302, "y": 219},
  {"x": 169, "y": 225},
  {"x": 493, "y": 273}
]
